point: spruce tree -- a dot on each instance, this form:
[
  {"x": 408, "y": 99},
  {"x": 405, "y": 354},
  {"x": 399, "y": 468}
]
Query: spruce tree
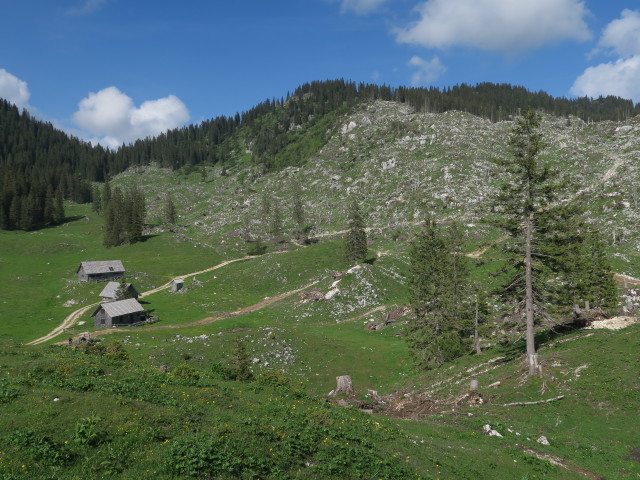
[
  {"x": 169, "y": 211},
  {"x": 122, "y": 292},
  {"x": 114, "y": 233},
  {"x": 58, "y": 210},
  {"x": 438, "y": 295},
  {"x": 106, "y": 195},
  {"x": 524, "y": 196},
  {"x": 297, "y": 212},
  {"x": 49, "y": 205},
  {"x": 96, "y": 199},
  {"x": 240, "y": 362},
  {"x": 551, "y": 254},
  {"x": 136, "y": 209},
  {"x": 265, "y": 212},
  {"x": 275, "y": 223},
  {"x": 355, "y": 241}
]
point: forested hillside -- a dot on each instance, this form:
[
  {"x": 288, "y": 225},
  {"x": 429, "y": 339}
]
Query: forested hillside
[{"x": 39, "y": 163}]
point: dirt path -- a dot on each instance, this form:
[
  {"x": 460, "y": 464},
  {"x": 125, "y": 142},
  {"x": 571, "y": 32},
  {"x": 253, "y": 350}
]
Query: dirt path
[
  {"x": 67, "y": 322},
  {"x": 204, "y": 321},
  {"x": 481, "y": 251},
  {"x": 192, "y": 274},
  {"x": 74, "y": 316}
]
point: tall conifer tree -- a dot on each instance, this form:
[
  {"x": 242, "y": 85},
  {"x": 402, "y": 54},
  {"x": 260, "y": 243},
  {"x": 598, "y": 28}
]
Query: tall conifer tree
[
  {"x": 438, "y": 291},
  {"x": 550, "y": 253},
  {"x": 355, "y": 241}
]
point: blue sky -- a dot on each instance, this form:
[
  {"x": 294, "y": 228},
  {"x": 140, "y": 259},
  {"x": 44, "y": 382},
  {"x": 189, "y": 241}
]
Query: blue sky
[{"x": 114, "y": 70}]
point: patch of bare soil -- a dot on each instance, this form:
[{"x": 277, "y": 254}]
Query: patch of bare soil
[{"x": 634, "y": 455}]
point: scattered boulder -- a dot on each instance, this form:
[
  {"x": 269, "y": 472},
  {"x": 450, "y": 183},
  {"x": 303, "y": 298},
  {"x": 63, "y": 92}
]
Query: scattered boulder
[
  {"x": 491, "y": 432},
  {"x": 543, "y": 440},
  {"x": 331, "y": 293},
  {"x": 389, "y": 164}
]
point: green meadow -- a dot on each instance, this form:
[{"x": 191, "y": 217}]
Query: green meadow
[{"x": 161, "y": 400}]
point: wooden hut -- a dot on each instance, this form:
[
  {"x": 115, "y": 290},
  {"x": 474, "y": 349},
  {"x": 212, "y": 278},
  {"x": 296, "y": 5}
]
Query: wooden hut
[
  {"x": 118, "y": 314},
  {"x": 109, "y": 292},
  {"x": 100, "y": 271},
  {"x": 177, "y": 284}
]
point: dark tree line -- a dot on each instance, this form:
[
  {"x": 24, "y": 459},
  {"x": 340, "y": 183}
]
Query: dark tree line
[
  {"x": 124, "y": 213},
  {"x": 277, "y": 133},
  {"x": 39, "y": 167}
]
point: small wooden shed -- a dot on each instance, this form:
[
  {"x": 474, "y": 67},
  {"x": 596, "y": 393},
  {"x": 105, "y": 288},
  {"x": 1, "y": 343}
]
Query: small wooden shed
[
  {"x": 177, "y": 284},
  {"x": 100, "y": 271},
  {"x": 109, "y": 292},
  {"x": 120, "y": 313}
]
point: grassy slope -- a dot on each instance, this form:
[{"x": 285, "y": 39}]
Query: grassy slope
[
  {"x": 314, "y": 341},
  {"x": 593, "y": 429},
  {"x": 38, "y": 270}
]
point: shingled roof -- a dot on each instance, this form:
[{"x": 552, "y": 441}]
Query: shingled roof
[
  {"x": 102, "y": 266},
  {"x": 120, "y": 307}
]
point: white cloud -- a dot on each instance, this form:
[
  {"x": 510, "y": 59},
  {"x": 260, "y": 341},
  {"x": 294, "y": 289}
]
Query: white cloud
[
  {"x": 427, "y": 70},
  {"x": 361, "y": 7},
  {"x": 88, "y": 6},
  {"x": 620, "y": 77},
  {"x": 622, "y": 36},
  {"x": 113, "y": 119},
  {"x": 13, "y": 89},
  {"x": 507, "y": 26}
]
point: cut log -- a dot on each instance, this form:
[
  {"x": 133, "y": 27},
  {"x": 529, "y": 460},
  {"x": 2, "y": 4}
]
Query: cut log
[{"x": 533, "y": 403}]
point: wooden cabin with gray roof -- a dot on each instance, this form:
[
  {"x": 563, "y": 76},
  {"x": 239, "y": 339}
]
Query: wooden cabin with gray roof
[
  {"x": 120, "y": 313},
  {"x": 100, "y": 271},
  {"x": 110, "y": 292}
]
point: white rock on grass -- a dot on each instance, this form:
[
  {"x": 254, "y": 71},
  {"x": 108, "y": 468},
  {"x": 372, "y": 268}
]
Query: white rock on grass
[
  {"x": 543, "y": 440},
  {"x": 492, "y": 433},
  {"x": 331, "y": 293}
]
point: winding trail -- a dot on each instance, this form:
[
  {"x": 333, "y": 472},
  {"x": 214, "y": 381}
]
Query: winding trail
[
  {"x": 204, "y": 321},
  {"x": 481, "y": 251},
  {"x": 74, "y": 316}
]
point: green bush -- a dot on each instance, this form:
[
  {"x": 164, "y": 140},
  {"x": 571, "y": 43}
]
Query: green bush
[
  {"x": 186, "y": 372},
  {"x": 256, "y": 248},
  {"x": 40, "y": 447},
  {"x": 87, "y": 431},
  {"x": 7, "y": 391}
]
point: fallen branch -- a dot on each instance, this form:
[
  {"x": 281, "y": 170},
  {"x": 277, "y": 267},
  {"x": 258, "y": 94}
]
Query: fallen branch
[{"x": 533, "y": 403}]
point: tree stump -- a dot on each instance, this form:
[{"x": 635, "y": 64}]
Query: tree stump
[{"x": 344, "y": 385}]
